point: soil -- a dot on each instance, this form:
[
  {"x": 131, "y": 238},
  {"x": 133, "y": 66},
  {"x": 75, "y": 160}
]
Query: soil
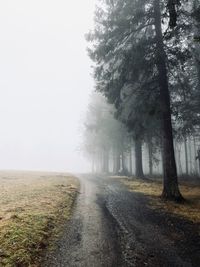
[{"x": 114, "y": 227}]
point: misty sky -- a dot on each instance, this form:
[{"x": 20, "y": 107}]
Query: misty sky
[{"x": 45, "y": 83}]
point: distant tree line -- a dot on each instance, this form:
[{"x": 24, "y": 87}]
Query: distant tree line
[
  {"x": 111, "y": 149},
  {"x": 147, "y": 65}
]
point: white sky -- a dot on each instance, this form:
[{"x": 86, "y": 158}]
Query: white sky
[{"x": 45, "y": 83}]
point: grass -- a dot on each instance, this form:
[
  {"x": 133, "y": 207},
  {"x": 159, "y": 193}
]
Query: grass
[
  {"x": 189, "y": 210},
  {"x": 33, "y": 207}
]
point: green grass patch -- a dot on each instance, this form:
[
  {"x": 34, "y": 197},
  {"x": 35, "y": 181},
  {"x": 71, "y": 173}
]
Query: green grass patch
[{"x": 32, "y": 217}]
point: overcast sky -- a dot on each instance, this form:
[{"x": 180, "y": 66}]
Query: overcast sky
[{"x": 45, "y": 83}]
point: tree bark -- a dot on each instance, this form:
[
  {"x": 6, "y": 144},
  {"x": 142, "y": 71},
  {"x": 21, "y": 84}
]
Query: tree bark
[
  {"x": 171, "y": 4},
  {"x": 179, "y": 158},
  {"x": 150, "y": 150},
  {"x": 170, "y": 188},
  {"x": 196, "y": 26},
  {"x": 190, "y": 157},
  {"x": 138, "y": 159},
  {"x": 186, "y": 156},
  {"x": 116, "y": 161},
  {"x": 105, "y": 161},
  {"x": 123, "y": 161},
  {"x": 195, "y": 162},
  {"x": 93, "y": 162},
  {"x": 101, "y": 162},
  {"x": 124, "y": 170},
  {"x": 130, "y": 161}
]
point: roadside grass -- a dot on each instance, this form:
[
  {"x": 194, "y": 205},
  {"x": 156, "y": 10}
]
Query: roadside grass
[
  {"x": 153, "y": 189},
  {"x": 33, "y": 208}
]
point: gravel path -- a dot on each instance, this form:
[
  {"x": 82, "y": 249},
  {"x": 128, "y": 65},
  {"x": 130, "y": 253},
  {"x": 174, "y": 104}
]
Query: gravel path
[{"x": 113, "y": 227}]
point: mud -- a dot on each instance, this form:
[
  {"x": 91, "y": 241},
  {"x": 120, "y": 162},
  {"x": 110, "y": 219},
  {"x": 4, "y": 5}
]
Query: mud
[{"x": 114, "y": 227}]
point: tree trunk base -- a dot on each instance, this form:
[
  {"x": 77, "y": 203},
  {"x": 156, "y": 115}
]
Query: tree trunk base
[
  {"x": 124, "y": 172},
  {"x": 140, "y": 176},
  {"x": 172, "y": 196}
]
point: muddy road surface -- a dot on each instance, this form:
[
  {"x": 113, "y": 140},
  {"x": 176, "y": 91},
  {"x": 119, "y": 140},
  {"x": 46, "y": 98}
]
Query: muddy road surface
[{"x": 114, "y": 227}]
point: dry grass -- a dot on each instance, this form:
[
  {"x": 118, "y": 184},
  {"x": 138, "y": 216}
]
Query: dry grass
[
  {"x": 33, "y": 205},
  {"x": 189, "y": 210}
]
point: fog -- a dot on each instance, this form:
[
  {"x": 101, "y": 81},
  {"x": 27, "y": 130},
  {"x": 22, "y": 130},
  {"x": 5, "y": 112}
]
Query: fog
[
  {"x": 45, "y": 83},
  {"x": 99, "y": 133}
]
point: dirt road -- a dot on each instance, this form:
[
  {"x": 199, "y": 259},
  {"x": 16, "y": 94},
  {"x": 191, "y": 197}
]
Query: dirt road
[{"x": 114, "y": 227}]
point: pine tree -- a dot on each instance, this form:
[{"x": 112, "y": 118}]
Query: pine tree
[{"x": 138, "y": 62}]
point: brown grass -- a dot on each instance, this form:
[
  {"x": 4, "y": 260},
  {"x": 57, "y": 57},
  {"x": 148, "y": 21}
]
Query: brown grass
[
  {"x": 33, "y": 206},
  {"x": 189, "y": 210}
]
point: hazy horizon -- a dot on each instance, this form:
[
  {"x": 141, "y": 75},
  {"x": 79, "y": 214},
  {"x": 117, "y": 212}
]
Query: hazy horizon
[{"x": 45, "y": 83}]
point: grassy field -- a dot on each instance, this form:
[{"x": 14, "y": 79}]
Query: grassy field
[
  {"x": 33, "y": 207},
  {"x": 153, "y": 189}
]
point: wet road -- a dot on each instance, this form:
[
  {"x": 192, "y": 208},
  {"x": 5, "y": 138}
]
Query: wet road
[{"x": 113, "y": 227}]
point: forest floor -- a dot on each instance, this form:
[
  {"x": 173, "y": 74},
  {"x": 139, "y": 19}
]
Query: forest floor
[
  {"x": 152, "y": 188},
  {"x": 122, "y": 222},
  {"x": 33, "y": 208}
]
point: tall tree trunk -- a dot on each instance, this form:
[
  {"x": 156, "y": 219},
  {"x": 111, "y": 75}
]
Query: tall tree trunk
[
  {"x": 122, "y": 161},
  {"x": 195, "y": 162},
  {"x": 179, "y": 158},
  {"x": 105, "y": 161},
  {"x": 124, "y": 170},
  {"x": 190, "y": 157},
  {"x": 101, "y": 162},
  {"x": 138, "y": 159},
  {"x": 116, "y": 161},
  {"x": 93, "y": 162},
  {"x": 186, "y": 155},
  {"x": 196, "y": 25},
  {"x": 130, "y": 161},
  {"x": 150, "y": 150},
  {"x": 170, "y": 189},
  {"x": 162, "y": 157},
  {"x": 176, "y": 157},
  {"x": 172, "y": 7}
]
